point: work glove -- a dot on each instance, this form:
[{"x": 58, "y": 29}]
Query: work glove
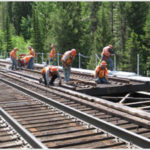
[{"x": 59, "y": 83}]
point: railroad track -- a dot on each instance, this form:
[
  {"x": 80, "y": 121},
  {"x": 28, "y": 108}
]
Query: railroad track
[
  {"x": 80, "y": 80},
  {"x": 9, "y": 138},
  {"x": 134, "y": 100},
  {"x": 98, "y": 112},
  {"x": 51, "y": 126}
]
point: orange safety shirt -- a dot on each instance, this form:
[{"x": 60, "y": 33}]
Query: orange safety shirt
[
  {"x": 52, "y": 53},
  {"x": 27, "y": 58},
  {"x": 67, "y": 57},
  {"x": 13, "y": 54},
  {"x": 32, "y": 52},
  {"x": 52, "y": 69},
  {"x": 106, "y": 51},
  {"x": 102, "y": 72}
]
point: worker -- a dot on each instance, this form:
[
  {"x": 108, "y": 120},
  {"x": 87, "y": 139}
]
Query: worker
[
  {"x": 26, "y": 60},
  {"x": 31, "y": 52},
  {"x": 50, "y": 71},
  {"x": 106, "y": 55},
  {"x": 101, "y": 73},
  {"x": 13, "y": 58},
  {"x": 52, "y": 55},
  {"x": 67, "y": 59}
]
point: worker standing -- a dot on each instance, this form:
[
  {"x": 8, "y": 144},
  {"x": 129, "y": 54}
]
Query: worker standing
[
  {"x": 13, "y": 58},
  {"x": 31, "y": 52},
  {"x": 26, "y": 60},
  {"x": 67, "y": 59},
  {"x": 106, "y": 55},
  {"x": 52, "y": 55},
  {"x": 50, "y": 71},
  {"x": 101, "y": 73}
]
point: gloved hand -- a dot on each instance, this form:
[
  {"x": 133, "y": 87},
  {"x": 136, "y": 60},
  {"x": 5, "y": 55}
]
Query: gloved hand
[{"x": 59, "y": 83}]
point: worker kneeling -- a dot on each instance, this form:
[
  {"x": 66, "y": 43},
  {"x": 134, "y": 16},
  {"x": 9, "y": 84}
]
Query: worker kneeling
[
  {"x": 50, "y": 71},
  {"x": 26, "y": 60},
  {"x": 101, "y": 73}
]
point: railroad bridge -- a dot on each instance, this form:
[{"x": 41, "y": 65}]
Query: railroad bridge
[{"x": 79, "y": 115}]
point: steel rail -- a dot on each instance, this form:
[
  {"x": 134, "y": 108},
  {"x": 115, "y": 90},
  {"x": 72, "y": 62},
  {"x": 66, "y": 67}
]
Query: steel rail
[
  {"x": 126, "y": 81},
  {"x": 123, "y": 134},
  {"x": 118, "y": 79},
  {"x": 27, "y": 76},
  {"x": 30, "y": 138},
  {"x": 126, "y": 109},
  {"x": 34, "y": 78}
]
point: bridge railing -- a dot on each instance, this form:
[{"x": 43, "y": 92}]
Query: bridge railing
[{"x": 82, "y": 59}]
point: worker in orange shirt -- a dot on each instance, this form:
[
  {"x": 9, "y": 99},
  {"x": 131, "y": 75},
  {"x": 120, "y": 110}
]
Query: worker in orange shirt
[
  {"x": 31, "y": 52},
  {"x": 50, "y": 71},
  {"x": 52, "y": 55},
  {"x": 13, "y": 58},
  {"x": 101, "y": 73},
  {"x": 26, "y": 60},
  {"x": 67, "y": 59},
  {"x": 106, "y": 55}
]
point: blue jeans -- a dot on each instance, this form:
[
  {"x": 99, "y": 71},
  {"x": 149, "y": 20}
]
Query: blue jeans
[
  {"x": 101, "y": 80},
  {"x": 14, "y": 63},
  {"x": 52, "y": 61},
  {"x": 109, "y": 60},
  {"x": 66, "y": 72},
  {"x": 30, "y": 63}
]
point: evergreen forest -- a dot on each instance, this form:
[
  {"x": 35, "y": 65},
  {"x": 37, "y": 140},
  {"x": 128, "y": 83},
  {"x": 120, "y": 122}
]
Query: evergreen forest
[{"x": 86, "y": 26}]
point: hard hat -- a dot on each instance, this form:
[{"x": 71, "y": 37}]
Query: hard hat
[
  {"x": 73, "y": 52},
  {"x": 52, "y": 45},
  {"x": 111, "y": 46},
  {"x": 16, "y": 49},
  {"x": 29, "y": 47},
  {"x": 103, "y": 63}
]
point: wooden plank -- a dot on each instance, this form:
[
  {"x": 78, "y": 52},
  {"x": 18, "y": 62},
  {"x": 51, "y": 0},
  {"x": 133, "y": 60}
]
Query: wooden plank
[
  {"x": 123, "y": 99},
  {"x": 137, "y": 103},
  {"x": 144, "y": 107},
  {"x": 100, "y": 91}
]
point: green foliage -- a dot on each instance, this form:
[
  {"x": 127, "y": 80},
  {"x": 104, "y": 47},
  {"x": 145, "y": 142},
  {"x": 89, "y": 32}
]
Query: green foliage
[
  {"x": 36, "y": 33},
  {"x": 136, "y": 15},
  {"x": 21, "y": 44},
  {"x": 2, "y": 40},
  {"x": 86, "y": 26},
  {"x": 26, "y": 27},
  {"x": 17, "y": 11},
  {"x": 92, "y": 63},
  {"x": 102, "y": 36},
  {"x": 7, "y": 35},
  {"x": 133, "y": 48}
]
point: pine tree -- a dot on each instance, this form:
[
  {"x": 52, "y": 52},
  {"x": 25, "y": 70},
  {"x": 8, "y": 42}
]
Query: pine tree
[
  {"x": 68, "y": 27},
  {"x": 37, "y": 42},
  {"x": 8, "y": 35},
  {"x": 136, "y": 16},
  {"x": 19, "y": 10},
  {"x": 102, "y": 35},
  {"x": 133, "y": 47}
]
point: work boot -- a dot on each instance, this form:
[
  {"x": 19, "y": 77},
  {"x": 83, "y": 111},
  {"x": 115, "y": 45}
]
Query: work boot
[
  {"x": 51, "y": 84},
  {"x": 40, "y": 80}
]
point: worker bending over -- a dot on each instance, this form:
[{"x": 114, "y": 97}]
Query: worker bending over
[
  {"x": 52, "y": 55},
  {"x": 13, "y": 58},
  {"x": 26, "y": 60},
  {"x": 101, "y": 73},
  {"x": 106, "y": 55},
  {"x": 50, "y": 71},
  {"x": 31, "y": 52},
  {"x": 67, "y": 59}
]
